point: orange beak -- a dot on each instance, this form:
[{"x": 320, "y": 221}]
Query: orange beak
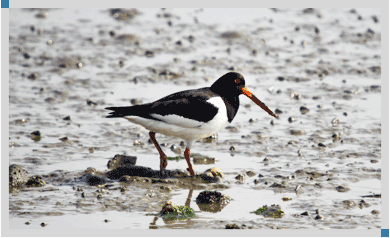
[{"x": 250, "y": 95}]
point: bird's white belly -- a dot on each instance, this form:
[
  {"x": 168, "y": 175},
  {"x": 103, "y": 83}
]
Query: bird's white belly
[{"x": 187, "y": 129}]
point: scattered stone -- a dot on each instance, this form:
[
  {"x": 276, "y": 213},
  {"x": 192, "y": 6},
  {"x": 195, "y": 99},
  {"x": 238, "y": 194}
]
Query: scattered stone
[
  {"x": 231, "y": 35},
  {"x": 91, "y": 103},
  {"x": 33, "y": 76},
  {"x": 241, "y": 178},
  {"x": 304, "y": 110},
  {"x": 278, "y": 111},
  {"x": 375, "y": 212},
  {"x": 297, "y": 132},
  {"x": 335, "y": 121},
  {"x": 191, "y": 38},
  {"x": 138, "y": 143},
  {"x": 122, "y": 14},
  {"x": 250, "y": 173},
  {"x": 342, "y": 189},
  {"x": 349, "y": 203},
  {"x": 278, "y": 185},
  {"x": 292, "y": 119},
  {"x": 67, "y": 118},
  {"x": 42, "y": 15},
  {"x": 200, "y": 159},
  {"x": 149, "y": 53},
  {"x": 295, "y": 96}
]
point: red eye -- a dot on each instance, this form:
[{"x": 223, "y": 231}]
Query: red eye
[{"x": 237, "y": 81}]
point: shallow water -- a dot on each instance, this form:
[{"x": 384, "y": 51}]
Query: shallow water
[{"x": 282, "y": 50}]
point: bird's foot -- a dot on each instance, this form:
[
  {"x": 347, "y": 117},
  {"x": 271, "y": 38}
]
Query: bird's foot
[
  {"x": 163, "y": 162},
  {"x": 192, "y": 173}
]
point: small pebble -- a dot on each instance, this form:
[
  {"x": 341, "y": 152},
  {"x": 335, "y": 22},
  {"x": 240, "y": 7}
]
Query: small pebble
[
  {"x": 292, "y": 119},
  {"x": 304, "y": 110},
  {"x": 112, "y": 33}
]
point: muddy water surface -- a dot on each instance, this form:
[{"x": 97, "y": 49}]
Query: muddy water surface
[{"x": 76, "y": 62}]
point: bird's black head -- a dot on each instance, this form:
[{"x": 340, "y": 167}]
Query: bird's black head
[{"x": 229, "y": 85}]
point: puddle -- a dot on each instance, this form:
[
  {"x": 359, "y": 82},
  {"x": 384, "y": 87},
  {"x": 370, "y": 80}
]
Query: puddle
[{"x": 76, "y": 62}]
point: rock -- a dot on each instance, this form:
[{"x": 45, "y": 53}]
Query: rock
[
  {"x": 212, "y": 175},
  {"x": 212, "y": 197},
  {"x": 93, "y": 180},
  {"x": 212, "y": 201},
  {"x": 121, "y": 160},
  {"x": 170, "y": 211},
  {"x": 232, "y": 226},
  {"x": 17, "y": 175},
  {"x": 274, "y": 211},
  {"x": 35, "y": 181},
  {"x": 134, "y": 170}
]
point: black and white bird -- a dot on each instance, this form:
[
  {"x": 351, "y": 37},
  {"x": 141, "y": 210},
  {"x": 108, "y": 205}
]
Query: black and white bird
[{"x": 191, "y": 114}]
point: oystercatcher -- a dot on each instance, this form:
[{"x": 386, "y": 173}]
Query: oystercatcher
[{"x": 190, "y": 114}]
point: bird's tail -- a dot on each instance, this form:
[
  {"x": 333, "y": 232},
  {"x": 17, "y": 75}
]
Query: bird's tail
[{"x": 120, "y": 111}]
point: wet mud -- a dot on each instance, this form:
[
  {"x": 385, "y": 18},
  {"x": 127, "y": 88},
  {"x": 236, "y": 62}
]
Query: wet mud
[{"x": 318, "y": 166}]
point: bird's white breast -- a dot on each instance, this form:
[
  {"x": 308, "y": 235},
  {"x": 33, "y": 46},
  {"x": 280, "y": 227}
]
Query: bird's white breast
[{"x": 185, "y": 128}]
